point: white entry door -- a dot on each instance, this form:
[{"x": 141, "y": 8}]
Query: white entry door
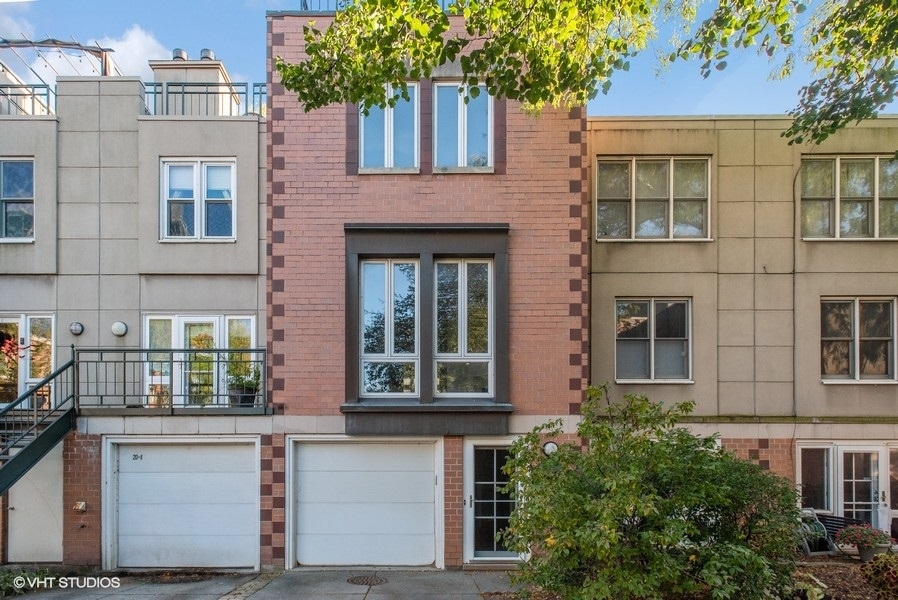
[
  {"x": 36, "y": 512},
  {"x": 186, "y": 505},
  {"x": 863, "y": 490},
  {"x": 365, "y": 503}
]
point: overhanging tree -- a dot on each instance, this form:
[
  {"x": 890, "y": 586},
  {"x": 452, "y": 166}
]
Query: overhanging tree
[
  {"x": 564, "y": 52},
  {"x": 647, "y": 510}
]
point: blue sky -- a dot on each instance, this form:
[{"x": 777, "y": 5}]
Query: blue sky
[{"x": 235, "y": 31}]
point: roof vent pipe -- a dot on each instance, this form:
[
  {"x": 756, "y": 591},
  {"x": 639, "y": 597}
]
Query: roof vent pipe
[
  {"x": 178, "y": 54},
  {"x": 206, "y": 54}
]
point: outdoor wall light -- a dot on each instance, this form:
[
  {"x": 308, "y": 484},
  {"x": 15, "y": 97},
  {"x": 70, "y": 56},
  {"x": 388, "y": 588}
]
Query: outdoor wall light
[
  {"x": 76, "y": 328},
  {"x": 119, "y": 329},
  {"x": 550, "y": 448}
]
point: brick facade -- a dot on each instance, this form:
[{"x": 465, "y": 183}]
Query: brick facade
[{"x": 82, "y": 482}]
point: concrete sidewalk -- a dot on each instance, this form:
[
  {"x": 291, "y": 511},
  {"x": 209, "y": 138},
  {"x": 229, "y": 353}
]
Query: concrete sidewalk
[{"x": 301, "y": 584}]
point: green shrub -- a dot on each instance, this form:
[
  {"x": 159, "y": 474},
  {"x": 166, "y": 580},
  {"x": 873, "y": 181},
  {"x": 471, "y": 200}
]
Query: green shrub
[
  {"x": 882, "y": 573},
  {"x": 8, "y": 577},
  {"x": 647, "y": 510}
]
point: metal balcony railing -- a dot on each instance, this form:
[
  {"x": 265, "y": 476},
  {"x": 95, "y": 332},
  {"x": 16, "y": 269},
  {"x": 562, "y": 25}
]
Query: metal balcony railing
[
  {"x": 205, "y": 99},
  {"x": 170, "y": 379},
  {"x": 25, "y": 100}
]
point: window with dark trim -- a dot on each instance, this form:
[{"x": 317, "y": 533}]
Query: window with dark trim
[{"x": 427, "y": 318}]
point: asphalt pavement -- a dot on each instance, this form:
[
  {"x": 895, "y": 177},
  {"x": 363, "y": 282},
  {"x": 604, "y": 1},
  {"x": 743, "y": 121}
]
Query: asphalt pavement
[{"x": 299, "y": 584}]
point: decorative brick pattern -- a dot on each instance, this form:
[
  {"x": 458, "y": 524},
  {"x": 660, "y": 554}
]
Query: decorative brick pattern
[{"x": 775, "y": 455}]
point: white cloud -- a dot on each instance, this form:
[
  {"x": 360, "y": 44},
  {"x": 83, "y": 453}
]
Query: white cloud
[{"x": 133, "y": 51}]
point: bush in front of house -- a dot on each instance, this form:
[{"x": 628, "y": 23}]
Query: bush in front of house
[
  {"x": 645, "y": 509},
  {"x": 882, "y": 573}
]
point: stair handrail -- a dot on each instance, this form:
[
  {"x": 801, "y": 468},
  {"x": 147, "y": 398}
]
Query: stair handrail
[{"x": 40, "y": 415}]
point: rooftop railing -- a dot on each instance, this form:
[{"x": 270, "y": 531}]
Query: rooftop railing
[
  {"x": 170, "y": 380},
  {"x": 23, "y": 100},
  {"x": 205, "y": 99}
]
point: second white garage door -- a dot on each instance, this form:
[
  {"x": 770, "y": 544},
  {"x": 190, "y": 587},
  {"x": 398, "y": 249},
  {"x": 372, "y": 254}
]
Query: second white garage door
[
  {"x": 187, "y": 505},
  {"x": 365, "y": 503}
]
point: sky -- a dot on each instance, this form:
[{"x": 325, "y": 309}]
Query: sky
[{"x": 235, "y": 31}]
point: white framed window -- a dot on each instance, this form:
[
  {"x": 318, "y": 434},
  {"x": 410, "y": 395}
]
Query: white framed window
[
  {"x": 390, "y": 327},
  {"x": 653, "y": 340},
  {"x": 388, "y": 137},
  {"x": 202, "y": 375},
  {"x": 16, "y": 199},
  {"x": 463, "y": 126},
  {"x": 857, "y": 339},
  {"x": 652, "y": 198},
  {"x": 849, "y": 197},
  {"x": 198, "y": 200},
  {"x": 26, "y": 353},
  {"x": 464, "y": 325}
]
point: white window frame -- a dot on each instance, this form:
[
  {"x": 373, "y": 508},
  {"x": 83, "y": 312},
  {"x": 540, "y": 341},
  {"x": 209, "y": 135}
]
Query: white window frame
[
  {"x": 854, "y": 376},
  {"x": 389, "y": 356},
  {"x": 671, "y": 199},
  {"x": 4, "y": 238},
  {"x": 688, "y": 379},
  {"x": 389, "y": 116},
  {"x": 461, "y": 162},
  {"x": 462, "y": 355},
  {"x": 173, "y": 380},
  {"x": 24, "y": 345},
  {"x": 835, "y": 201},
  {"x": 200, "y": 199},
  {"x": 470, "y": 445}
]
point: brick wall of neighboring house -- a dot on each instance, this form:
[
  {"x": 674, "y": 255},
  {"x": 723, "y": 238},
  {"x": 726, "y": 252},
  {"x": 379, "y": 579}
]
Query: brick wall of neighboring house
[
  {"x": 775, "y": 455},
  {"x": 82, "y": 483}
]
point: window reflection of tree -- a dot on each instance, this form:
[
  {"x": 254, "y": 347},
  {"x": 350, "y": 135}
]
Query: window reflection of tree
[{"x": 393, "y": 376}]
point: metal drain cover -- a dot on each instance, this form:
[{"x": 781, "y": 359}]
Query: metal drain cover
[{"x": 366, "y": 580}]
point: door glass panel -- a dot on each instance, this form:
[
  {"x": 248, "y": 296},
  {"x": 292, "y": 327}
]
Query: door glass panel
[
  {"x": 492, "y": 508},
  {"x": 41, "y": 347},
  {"x": 9, "y": 361},
  {"x": 860, "y": 486},
  {"x": 200, "y": 366},
  {"x": 815, "y": 478}
]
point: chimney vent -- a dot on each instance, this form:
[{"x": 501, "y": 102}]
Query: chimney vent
[
  {"x": 206, "y": 54},
  {"x": 178, "y": 54}
]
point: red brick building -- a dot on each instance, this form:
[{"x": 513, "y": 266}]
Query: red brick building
[{"x": 427, "y": 302}]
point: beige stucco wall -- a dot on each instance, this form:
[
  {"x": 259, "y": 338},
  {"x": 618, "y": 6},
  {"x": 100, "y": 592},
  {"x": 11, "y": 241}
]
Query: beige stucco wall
[{"x": 755, "y": 284}]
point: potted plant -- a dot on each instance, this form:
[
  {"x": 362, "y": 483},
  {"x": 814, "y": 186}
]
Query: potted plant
[
  {"x": 243, "y": 380},
  {"x": 867, "y": 539}
]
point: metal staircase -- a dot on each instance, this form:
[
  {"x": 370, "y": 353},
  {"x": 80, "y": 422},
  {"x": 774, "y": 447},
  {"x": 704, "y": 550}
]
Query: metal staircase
[{"x": 33, "y": 424}]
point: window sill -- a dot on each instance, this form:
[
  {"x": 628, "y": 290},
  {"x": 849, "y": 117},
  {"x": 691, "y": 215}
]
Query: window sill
[
  {"x": 389, "y": 171},
  {"x": 859, "y": 381},
  {"x": 653, "y": 240},
  {"x": 198, "y": 240},
  {"x": 16, "y": 240},
  {"x": 462, "y": 170},
  {"x": 849, "y": 239},
  {"x": 414, "y": 418},
  {"x": 654, "y": 382}
]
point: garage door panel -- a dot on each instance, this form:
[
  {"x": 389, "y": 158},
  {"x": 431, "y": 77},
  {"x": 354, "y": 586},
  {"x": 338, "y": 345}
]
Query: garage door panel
[
  {"x": 366, "y": 550},
  {"x": 365, "y": 503},
  {"x": 366, "y": 519},
  {"x": 187, "y": 505},
  {"x": 354, "y": 486},
  {"x": 183, "y": 458},
  {"x": 150, "y": 519},
  {"x": 186, "y": 551},
  {"x": 376, "y": 457},
  {"x": 190, "y": 488}
]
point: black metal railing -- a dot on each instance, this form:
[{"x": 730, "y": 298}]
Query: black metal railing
[
  {"x": 170, "y": 379},
  {"x": 205, "y": 99},
  {"x": 25, "y": 100}
]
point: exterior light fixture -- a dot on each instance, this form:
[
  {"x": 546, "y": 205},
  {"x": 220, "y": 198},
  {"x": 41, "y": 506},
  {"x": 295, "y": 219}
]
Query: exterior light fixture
[
  {"x": 76, "y": 328},
  {"x": 119, "y": 329},
  {"x": 550, "y": 448}
]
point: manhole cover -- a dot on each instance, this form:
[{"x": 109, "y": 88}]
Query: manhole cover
[{"x": 366, "y": 580}]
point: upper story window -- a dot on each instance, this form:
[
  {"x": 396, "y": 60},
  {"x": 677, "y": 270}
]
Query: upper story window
[
  {"x": 16, "y": 199},
  {"x": 462, "y": 127},
  {"x": 388, "y": 137},
  {"x": 198, "y": 200},
  {"x": 652, "y": 198},
  {"x": 653, "y": 340},
  {"x": 857, "y": 338},
  {"x": 849, "y": 197}
]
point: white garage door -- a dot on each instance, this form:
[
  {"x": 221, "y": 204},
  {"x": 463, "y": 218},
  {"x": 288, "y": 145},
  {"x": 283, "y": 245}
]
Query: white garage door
[
  {"x": 365, "y": 503},
  {"x": 187, "y": 505}
]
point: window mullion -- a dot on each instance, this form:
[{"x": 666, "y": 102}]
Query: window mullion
[
  {"x": 856, "y": 340},
  {"x": 651, "y": 333},
  {"x": 837, "y": 201},
  {"x": 632, "y": 198},
  {"x": 875, "y": 197},
  {"x": 388, "y": 132},
  {"x": 462, "y": 129},
  {"x": 670, "y": 198}
]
